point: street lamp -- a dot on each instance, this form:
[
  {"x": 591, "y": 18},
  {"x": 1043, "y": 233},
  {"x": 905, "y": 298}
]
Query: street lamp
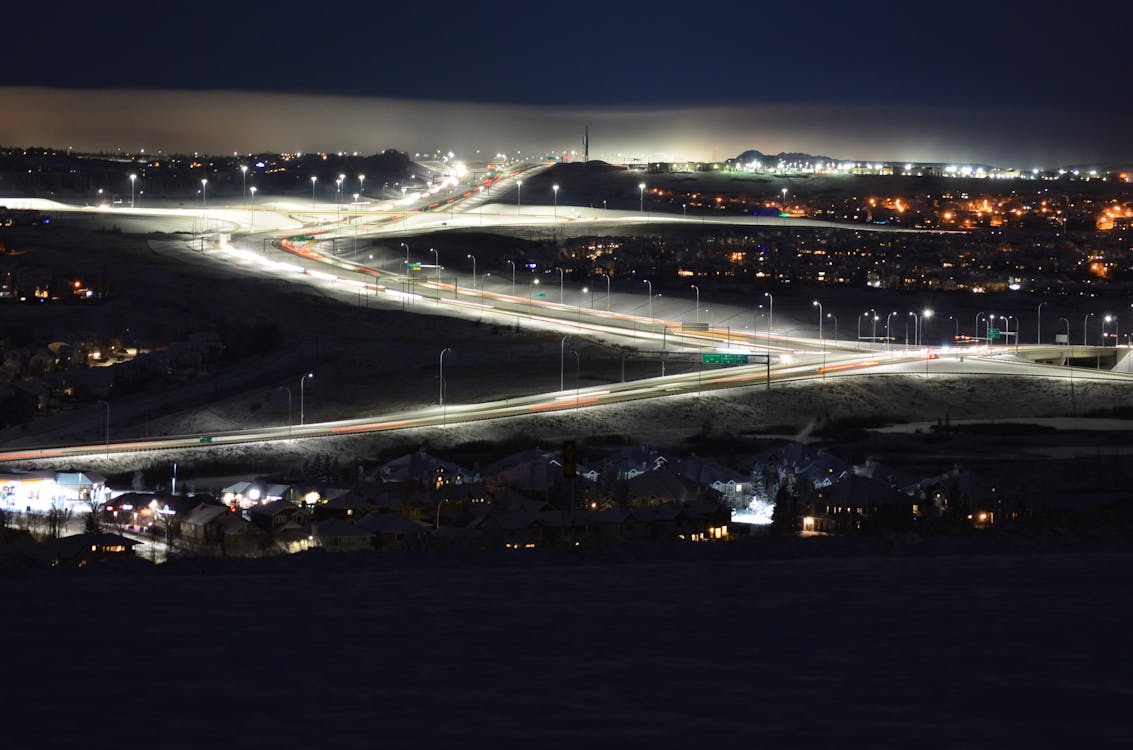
[
  {"x": 473, "y": 257},
  {"x": 607, "y": 291},
  {"x": 562, "y": 359},
  {"x": 132, "y": 178},
  {"x": 512, "y": 262},
  {"x": 1039, "y": 324},
  {"x": 926, "y": 314},
  {"x": 356, "y": 222},
  {"x": 641, "y": 187},
  {"x": 436, "y": 270},
  {"x": 244, "y": 176},
  {"x": 362, "y": 184},
  {"x": 204, "y": 208},
  {"x": 518, "y": 196},
  {"x": 313, "y": 181},
  {"x": 302, "y": 382},
  {"x": 530, "y": 297},
  {"x": 694, "y": 286},
  {"x": 650, "y": 283},
  {"x": 835, "y": 319},
  {"x": 888, "y": 334},
  {"x": 441, "y": 396},
  {"x": 252, "y": 223},
  {"x": 1067, "y": 322},
  {"x": 978, "y": 316},
  {"x": 555, "y": 188},
  {"x": 818, "y": 304},
  {"x": 784, "y": 192},
  {"x": 916, "y": 328},
  {"x": 1084, "y": 321},
  {"x": 770, "y": 311},
  {"x": 577, "y": 365}
]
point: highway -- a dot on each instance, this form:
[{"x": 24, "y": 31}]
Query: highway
[
  {"x": 813, "y": 367},
  {"x": 309, "y": 241}
]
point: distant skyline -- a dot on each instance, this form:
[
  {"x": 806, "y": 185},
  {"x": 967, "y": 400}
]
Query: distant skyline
[
  {"x": 1006, "y": 83},
  {"x": 228, "y": 122}
]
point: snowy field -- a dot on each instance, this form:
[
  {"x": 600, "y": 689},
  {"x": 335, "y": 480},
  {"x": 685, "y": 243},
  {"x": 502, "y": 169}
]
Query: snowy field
[{"x": 693, "y": 647}]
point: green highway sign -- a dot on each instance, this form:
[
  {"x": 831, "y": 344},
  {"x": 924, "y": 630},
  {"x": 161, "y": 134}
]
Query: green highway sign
[
  {"x": 994, "y": 333},
  {"x": 414, "y": 266},
  {"x": 724, "y": 359},
  {"x": 206, "y": 440}
]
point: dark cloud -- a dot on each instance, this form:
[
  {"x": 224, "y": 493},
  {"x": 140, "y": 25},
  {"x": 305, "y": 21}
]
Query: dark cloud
[{"x": 226, "y": 121}]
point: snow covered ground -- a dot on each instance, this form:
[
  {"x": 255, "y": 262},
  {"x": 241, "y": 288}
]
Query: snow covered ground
[{"x": 689, "y": 647}]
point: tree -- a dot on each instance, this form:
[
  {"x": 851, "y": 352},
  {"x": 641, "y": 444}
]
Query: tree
[
  {"x": 56, "y": 519},
  {"x": 785, "y": 516}
]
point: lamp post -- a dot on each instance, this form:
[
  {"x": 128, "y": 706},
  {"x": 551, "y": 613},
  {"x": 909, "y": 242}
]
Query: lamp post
[
  {"x": 1039, "y": 324},
  {"x": 441, "y": 395},
  {"x": 252, "y": 223},
  {"x": 577, "y": 365},
  {"x": 512, "y": 262},
  {"x": 697, "y": 289},
  {"x": 650, "y": 283},
  {"x": 888, "y": 332},
  {"x": 770, "y": 312},
  {"x": 916, "y": 328},
  {"x": 338, "y": 196},
  {"x": 518, "y": 196},
  {"x": 473, "y": 257},
  {"x": 362, "y": 185},
  {"x": 302, "y": 382},
  {"x": 1084, "y": 321},
  {"x": 1015, "y": 330},
  {"x": 641, "y": 188},
  {"x": 583, "y": 291},
  {"x": 607, "y": 291},
  {"x": 1067, "y": 322},
  {"x": 132, "y": 178},
  {"x": 784, "y": 192},
  {"x": 926, "y": 315},
  {"x": 818, "y": 304},
  {"x": 834, "y": 317},
  {"x": 313, "y": 181},
  {"x": 244, "y": 177},
  {"x": 988, "y": 325},
  {"x": 436, "y": 270},
  {"x": 530, "y": 295},
  {"x": 356, "y": 228},
  {"x": 562, "y": 357},
  {"x": 555, "y": 188}
]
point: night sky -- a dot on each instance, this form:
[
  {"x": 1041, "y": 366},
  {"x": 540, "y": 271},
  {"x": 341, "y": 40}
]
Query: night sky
[{"x": 1015, "y": 82}]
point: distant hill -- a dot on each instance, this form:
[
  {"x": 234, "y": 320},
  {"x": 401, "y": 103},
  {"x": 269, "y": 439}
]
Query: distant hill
[{"x": 785, "y": 156}]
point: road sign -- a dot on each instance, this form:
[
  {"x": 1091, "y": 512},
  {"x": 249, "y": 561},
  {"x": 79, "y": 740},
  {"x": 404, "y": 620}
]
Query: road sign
[
  {"x": 694, "y": 326},
  {"x": 206, "y": 440},
  {"x": 994, "y": 333},
  {"x": 414, "y": 266},
  {"x": 724, "y": 359}
]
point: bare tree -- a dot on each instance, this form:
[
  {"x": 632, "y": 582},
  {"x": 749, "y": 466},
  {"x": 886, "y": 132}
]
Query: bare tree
[{"x": 57, "y": 518}]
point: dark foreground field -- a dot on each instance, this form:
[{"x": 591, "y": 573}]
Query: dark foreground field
[{"x": 901, "y": 648}]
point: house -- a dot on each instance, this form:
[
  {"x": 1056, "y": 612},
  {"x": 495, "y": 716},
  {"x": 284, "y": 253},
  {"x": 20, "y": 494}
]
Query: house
[
  {"x": 660, "y": 486},
  {"x": 341, "y": 535},
  {"x": 513, "y": 530},
  {"x": 732, "y": 486},
  {"x": 203, "y": 526},
  {"x": 423, "y": 469},
  {"x": 273, "y": 516},
  {"x": 394, "y": 532},
  {"x": 82, "y": 549},
  {"x": 854, "y": 503}
]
